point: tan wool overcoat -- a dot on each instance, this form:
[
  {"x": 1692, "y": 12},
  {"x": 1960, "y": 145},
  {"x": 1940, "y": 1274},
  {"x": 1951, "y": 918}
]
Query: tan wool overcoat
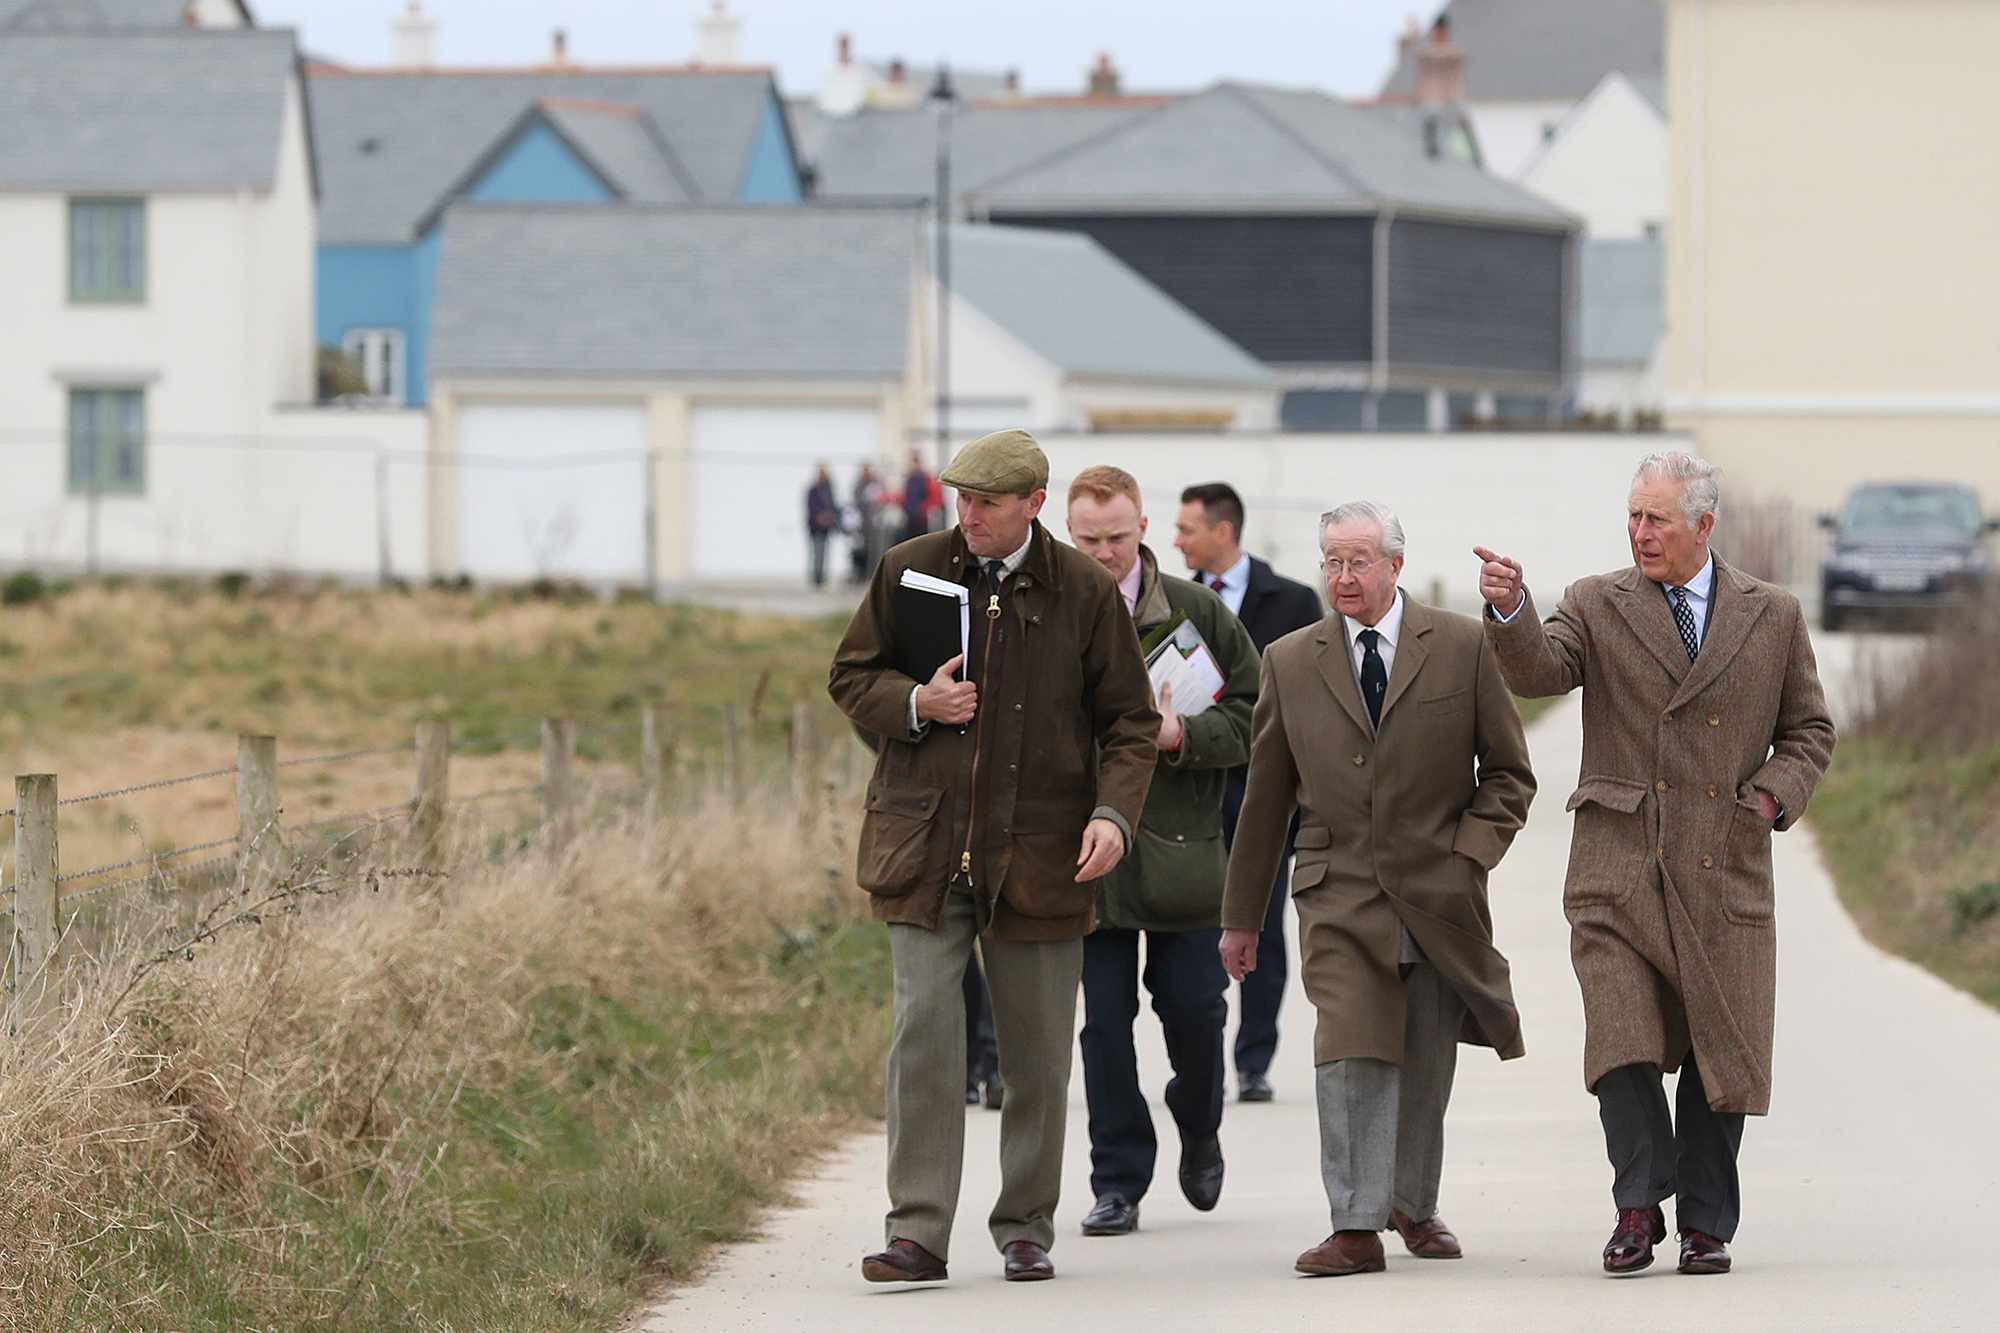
[
  {"x": 1669, "y": 894},
  {"x": 1397, "y": 825}
]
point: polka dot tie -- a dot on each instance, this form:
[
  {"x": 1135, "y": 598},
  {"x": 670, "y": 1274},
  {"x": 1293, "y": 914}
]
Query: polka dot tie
[{"x": 1684, "y": 620}]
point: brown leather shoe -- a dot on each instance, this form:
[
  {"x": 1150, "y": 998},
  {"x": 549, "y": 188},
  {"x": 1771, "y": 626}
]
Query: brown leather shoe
[
  {"x": 1343, "y": 1253},
  {"x": 1027, "y": 1262},
  {"x": 1630, "y": 1249},
  {"x": 1703, "y": 1253},
  {"x": 1429, "y": 1239},
  {"x": 903, "y": 1261}
]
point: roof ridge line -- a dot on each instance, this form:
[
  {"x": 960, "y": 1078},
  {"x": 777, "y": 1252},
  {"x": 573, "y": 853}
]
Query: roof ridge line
[
  {"x": 1091, "y": 140},
  {"x": 1333, "y": 168}
]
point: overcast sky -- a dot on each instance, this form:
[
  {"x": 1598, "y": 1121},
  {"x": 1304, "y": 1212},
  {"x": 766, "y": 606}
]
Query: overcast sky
[{"x": 1342, "y": 45}]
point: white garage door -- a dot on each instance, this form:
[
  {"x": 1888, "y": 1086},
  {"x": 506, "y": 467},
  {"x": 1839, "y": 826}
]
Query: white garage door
[
  {"x": 553, "y": 489},
  {"x": 752, "y": 466}
]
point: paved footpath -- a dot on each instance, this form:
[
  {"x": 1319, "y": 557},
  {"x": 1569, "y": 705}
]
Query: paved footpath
[{"x": 1871, "y": 1193}]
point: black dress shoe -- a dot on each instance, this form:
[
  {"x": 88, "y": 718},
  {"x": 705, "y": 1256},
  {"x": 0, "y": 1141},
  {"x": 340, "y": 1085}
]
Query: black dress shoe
[
  {"x": 1703, "y": 1253},
  {"x": 1027, "y": 1262},
  {"x": 1253, "y": 1088},
  {"x": 996, "y": 1093},
  {"x": 1630, "y": 1248},
  {"x": 903, "y": 1261},
  {"x": 1201, "y": 1173},
  {"x": 972, "y": 1092},
  {"x": 1111, "y": 1217}
]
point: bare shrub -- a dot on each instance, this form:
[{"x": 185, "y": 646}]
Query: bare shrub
[
  {"x": 1762, "y": 536},
  {"x": 1944, "y": 696}
]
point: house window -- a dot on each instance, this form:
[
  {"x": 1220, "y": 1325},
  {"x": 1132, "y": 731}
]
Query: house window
[
  {"x": 107, "y": 249},
  {"x": 379, "y": 353},
  {"x": 107, "y": 441}
]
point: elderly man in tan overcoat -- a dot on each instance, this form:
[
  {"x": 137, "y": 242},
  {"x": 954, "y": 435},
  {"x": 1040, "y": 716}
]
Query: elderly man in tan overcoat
[
  {"x": 1388, "y": 727},
  {"x": 1704, "y": 730}
]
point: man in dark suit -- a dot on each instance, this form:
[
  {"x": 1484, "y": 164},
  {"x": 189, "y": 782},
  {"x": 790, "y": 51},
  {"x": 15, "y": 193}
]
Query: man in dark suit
[{"x": 1209, "y": 535}]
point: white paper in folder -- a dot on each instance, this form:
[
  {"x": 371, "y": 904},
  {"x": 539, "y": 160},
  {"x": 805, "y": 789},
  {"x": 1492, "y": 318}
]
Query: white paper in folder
[{"x": 1195, "y": 679}]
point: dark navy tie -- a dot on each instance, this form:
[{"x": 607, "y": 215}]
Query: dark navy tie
[
  {"x": 1684, "y": 620},
  {"x": 1374, "y": 675}
]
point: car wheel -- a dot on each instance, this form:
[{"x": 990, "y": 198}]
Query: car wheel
[{"x": 1831, "y": 618}]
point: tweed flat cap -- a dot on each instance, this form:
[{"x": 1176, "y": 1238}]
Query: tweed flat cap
[{"x": 1007, "y": 462}]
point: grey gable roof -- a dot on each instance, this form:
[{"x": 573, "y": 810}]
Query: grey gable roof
[
  {"x": 624, "y": 145},
  {"x": 392, "y": 144},
  {"x": 1249, "y": 148},
  {"x": 76, "y": 14},
  {"x": 892, "y": 154},
  {"x": 565, "y": 290},
  {"x": 1069, "y": 300},
  {"x": 173, "y": 109},
  {"x": 1620, "y": 288},
  {"x": 1546, "y": 50}
]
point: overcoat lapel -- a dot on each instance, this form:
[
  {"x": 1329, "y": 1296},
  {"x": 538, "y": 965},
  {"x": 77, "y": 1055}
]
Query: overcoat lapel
[
  {"x": 1330, "y": 655},
  {"x": 1735, "y": 613},
  {"x": 1645, "y": 609},
  {"x": 1410, "y": 653}
]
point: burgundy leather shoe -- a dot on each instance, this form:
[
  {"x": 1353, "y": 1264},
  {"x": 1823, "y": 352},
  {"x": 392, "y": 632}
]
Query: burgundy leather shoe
[
  {"x": 1429, "y": 1239},
  {"x": 1703, "y": 1253},
  {"x": 903, "y": 1261},
  {"x": 1630, "y": 1249},
  {"x": 1343, "y": 1253},
  {"x": 1027, "y": 1262}
]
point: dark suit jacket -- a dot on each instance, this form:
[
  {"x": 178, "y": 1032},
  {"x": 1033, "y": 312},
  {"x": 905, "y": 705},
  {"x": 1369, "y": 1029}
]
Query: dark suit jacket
[{"x": 1273, "y": 606}]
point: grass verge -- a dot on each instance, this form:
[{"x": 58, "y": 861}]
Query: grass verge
[{"x": 518, "y": 1098}]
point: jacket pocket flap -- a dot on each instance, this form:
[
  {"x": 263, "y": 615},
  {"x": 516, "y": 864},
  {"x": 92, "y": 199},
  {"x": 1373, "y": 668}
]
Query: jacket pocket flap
[
  {"x": 910, "y": 802},
  {"x": 1306, "y": 874},
  {"x": 1621, "y": 794},
  {"x": 1313, "y": 836}
]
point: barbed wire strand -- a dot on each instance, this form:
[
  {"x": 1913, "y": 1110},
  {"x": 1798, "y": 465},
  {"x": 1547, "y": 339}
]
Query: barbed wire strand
[
  {"x": 400, "y": 807},
  {"x": 345, "y": 756},
  {"x": 148, "y": 786},
  {"x": 153, "y": 858},
  {"x": 496, "y": 793}
]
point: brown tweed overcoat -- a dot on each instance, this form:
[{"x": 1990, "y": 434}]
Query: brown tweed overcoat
[
  {"x": 1398, "y": 826},
  {"x": 1669, "y": 893}
]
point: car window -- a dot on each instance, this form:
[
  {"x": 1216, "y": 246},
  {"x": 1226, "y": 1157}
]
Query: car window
[{"x": 1880, "y": 511}]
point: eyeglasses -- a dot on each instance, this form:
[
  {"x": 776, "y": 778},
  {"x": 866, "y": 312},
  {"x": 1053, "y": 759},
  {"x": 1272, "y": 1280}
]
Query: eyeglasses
[{"x": 1339, "y": 568}]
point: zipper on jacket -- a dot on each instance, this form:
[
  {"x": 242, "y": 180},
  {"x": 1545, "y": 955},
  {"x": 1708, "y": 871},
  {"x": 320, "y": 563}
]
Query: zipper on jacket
[{"x": 978, "y": 738}]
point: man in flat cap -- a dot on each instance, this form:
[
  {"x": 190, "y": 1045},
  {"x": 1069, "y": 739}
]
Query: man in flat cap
[{"x": 1004, "y": 785}]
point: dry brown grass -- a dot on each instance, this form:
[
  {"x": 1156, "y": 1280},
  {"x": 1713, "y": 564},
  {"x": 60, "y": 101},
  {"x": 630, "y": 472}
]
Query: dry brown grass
[{"x": 355, "y": 1115}]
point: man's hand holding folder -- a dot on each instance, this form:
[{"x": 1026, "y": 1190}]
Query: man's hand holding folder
[{"x": 947, "y": 699}]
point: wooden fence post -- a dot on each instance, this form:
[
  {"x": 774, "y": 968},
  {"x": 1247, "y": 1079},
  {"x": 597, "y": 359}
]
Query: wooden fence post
[
  {"x": 260, "y": 842},
  {"x": 37, "y": 901},
  {"x": 652, "y": 765},
  {"x": 558, "y": 780},
  {"x": 735, "y": 753},
  {"x": 433, "y": 791},
  {"x": 801, "y": 754}
]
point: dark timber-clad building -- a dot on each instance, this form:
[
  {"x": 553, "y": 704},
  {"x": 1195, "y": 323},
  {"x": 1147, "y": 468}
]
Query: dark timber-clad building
[{"x": 1360, "y": 252}]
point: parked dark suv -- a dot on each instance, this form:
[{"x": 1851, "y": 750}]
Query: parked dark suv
[{"x": 1903, "y": 546}]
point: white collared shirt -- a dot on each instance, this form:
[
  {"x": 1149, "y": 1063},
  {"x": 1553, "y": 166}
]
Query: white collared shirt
[
  {"x": 1235, "y": 583},
  {"x": 1390, "y": 627},
  {"x": 1699, "y": 589}
]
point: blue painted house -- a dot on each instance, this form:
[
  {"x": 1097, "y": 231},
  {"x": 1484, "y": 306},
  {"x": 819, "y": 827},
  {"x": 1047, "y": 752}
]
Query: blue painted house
[{"x": 397, "y": 147}]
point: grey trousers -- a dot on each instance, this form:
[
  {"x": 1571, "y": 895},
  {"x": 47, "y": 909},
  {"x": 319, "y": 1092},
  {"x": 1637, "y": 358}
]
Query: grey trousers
[
  {"x": 1381, "y": 1126},
  {"x": 1034, "y": 989}
]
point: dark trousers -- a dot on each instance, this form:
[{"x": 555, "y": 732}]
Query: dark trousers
[
  {"x": 819, "y": 539},
  {"x": 1185, "y": 978},
  {"x": 982, "y": 1050},
  {"x": 1692, "y": 1154},
  {"x": 1262, "y": 992}
]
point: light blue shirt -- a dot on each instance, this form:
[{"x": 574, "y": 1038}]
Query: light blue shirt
[{"x": 1235, "y": 583}]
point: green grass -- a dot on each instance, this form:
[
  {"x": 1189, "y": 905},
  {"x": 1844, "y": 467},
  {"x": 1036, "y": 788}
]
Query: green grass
[{"x": 1912, "y": 837}]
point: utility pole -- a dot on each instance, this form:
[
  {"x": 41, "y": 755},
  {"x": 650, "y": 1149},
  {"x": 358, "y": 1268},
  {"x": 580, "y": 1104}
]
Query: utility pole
[{"x": 946, "y": 96}]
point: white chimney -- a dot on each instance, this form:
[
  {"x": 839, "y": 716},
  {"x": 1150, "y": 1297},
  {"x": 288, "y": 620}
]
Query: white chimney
[
  {"x": 416, "y": 38},
  {"x": 721, "y": 35}
]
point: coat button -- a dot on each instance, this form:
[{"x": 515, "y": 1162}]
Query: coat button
[
  {"x": 1662, "y": 850},
  {"x": 1712, "y": 791},
  {"x": 1714, "y": 721},
  {"x": 1017, "y": 708},
  {"x": 1661, "y": 785},
  {"x": 1707, "y": 863},
  {"x": 1360, "y": 759},
  {"x": 1178, "y": 837}
]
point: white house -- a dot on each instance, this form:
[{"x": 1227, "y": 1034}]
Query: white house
[
  {"x": 86, "y": 15},
  {"x": 1607, "y": 163}
]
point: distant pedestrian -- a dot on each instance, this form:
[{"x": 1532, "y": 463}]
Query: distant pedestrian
[
  {"x": 822, "y": 521},
  {"x": 923, "y": 498},
  {"x": 1705, "y": 731},
  {"x": 865, "y": 544}
]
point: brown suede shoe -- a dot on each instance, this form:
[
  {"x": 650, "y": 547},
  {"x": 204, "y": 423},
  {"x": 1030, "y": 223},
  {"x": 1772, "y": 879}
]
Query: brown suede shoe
[
  {"x": 1429, "y": 1239},
  {"x": 1703, "y": 1253},
  {"x": 1630, "y": 1249},
  {"x": 903, "y": 1261},
  {"x": 1343, "y": 1253},
  {"x": 1027, "y": 1262}
]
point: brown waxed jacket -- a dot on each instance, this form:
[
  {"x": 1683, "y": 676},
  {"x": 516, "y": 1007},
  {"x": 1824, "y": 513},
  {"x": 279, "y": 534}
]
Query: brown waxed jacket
[{"x": 1064, "y": 732}]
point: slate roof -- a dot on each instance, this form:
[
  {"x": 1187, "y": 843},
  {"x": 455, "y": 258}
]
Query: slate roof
[
  {"x": 589, "y": 291},
  {"x": 173, "y": 109},
  {"x": 74, "y": 14},
  {"x": 1071, "y": 301},
  {"x": 392, "y": 144},
  {"x": 1241, "y": 147},
  {"x": 1547, "y": 50},
  {"x": 1620, "y": 287},
  {"x": 879, "y": 153},
  {"x": 624, "y": 146}
]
